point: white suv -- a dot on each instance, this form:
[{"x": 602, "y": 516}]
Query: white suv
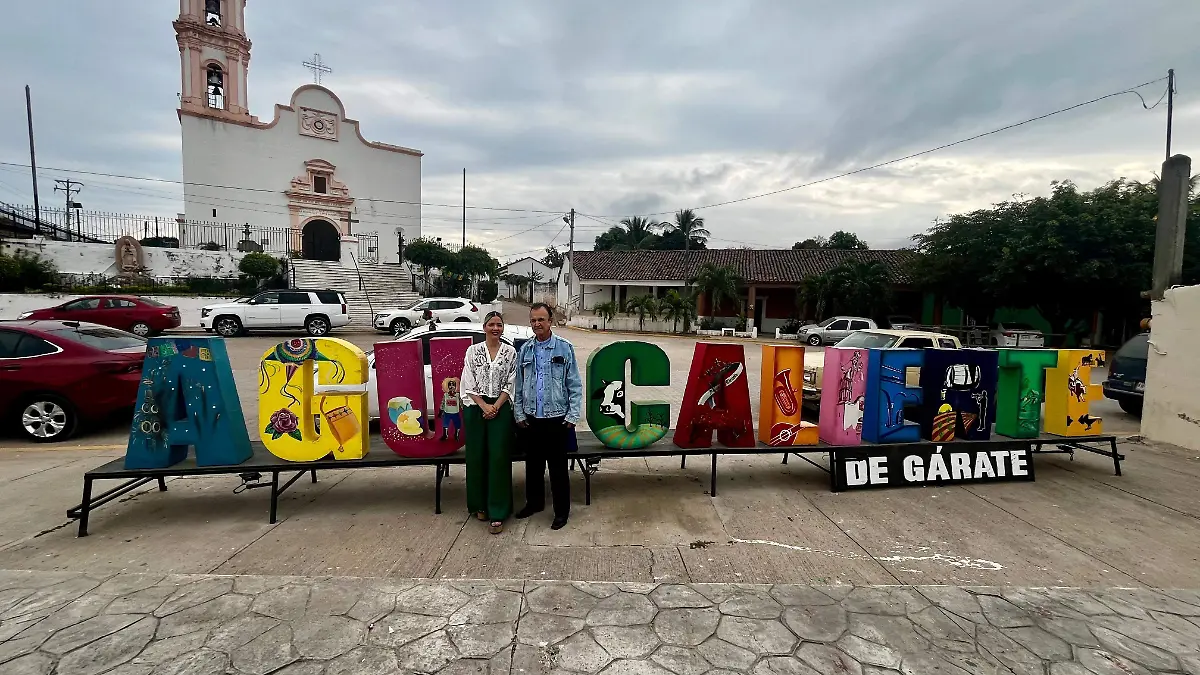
[
  {"x": 317, "y": 312},
  {"x": 445, "y": 310}
]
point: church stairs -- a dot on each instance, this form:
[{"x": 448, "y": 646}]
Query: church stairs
[{"x": 387, "y": 286}]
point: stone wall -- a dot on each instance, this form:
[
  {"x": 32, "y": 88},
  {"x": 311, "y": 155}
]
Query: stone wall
[
  {"x": 84, "y": 258},
  {"x": 1171, "y": 411}
]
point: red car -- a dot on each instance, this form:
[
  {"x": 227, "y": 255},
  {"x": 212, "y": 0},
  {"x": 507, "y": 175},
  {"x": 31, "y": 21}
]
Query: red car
[
  {"x": 140, "y": 316},
  {"x": 54, "y": 374}
]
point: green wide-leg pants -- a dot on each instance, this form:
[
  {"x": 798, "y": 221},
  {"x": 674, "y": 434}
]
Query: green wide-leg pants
[{"x": 489, "y": 466}]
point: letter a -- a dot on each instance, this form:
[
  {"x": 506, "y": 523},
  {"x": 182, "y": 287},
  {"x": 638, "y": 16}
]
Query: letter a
[
  {"x": 187, "y": 397},
  {"x": 781, "y": 388},
  {"x": 717, "y": 398},
  {"x": 607, "y": 388}
]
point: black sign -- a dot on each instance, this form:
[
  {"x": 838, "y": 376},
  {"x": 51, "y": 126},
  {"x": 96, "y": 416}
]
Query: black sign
[{"x": 917, "y": 464}]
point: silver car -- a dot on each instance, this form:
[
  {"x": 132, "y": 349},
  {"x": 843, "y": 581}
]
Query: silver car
[{"x": 833, "y": 329}]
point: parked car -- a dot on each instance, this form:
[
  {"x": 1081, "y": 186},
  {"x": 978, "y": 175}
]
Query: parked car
[
  {"x": 1017, "y": 335},
  {"x": 833, "y": 329},
  {"x": 814, "y": 362},
  {"x": 1126, "y": 381},
  {"x": 513, "y": 335},
  {"x": 316, "y": 311},
  {"x": 55, "y": 374},
  {"x": 141, "y": 316},
  {"x": 445, "y": 310},
  {"x": 901, "y": 322}
]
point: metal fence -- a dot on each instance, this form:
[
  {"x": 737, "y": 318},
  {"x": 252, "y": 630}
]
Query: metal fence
[
  {"x": 368, "y": 247},
  {"x": 100, "y": 283},
  {"x": 165, "y": 231}
]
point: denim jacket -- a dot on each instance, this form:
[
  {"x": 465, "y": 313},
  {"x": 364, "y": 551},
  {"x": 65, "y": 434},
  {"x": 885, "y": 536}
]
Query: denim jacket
[{"x": 563, "y": 393}]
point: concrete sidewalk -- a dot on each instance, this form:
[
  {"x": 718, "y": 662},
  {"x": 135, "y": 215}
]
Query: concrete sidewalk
[{"x": 134, "y": 624}]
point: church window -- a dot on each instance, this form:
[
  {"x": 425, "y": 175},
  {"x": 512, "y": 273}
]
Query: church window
[
  {"x": 216, "y": 87},
  {"x": 319, "y": 185},
  {"x": 212, "y": 12}
]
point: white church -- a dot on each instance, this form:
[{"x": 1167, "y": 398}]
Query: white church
[{"x": 309, "y": 169}]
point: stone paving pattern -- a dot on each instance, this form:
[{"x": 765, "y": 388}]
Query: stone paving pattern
[{"x": 69, "y": 623}]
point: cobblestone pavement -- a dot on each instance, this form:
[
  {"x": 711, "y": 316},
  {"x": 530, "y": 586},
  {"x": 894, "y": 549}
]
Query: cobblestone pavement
[{"x": 69, "y": 623}]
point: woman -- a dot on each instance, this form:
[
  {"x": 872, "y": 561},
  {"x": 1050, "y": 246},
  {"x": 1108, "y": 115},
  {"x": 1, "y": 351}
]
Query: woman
[{"x": 486, "y": 382}]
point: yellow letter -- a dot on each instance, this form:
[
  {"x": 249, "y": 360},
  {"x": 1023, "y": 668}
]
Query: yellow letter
[
  {"x": 1069, "y": 390},
  {"x": 301, "y": 420}
]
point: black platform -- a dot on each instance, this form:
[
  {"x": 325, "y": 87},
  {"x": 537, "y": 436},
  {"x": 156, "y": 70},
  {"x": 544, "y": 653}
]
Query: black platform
[{"x": 586, "y": 457}]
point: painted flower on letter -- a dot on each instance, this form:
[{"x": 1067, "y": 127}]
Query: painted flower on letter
[{"x": 284, "y": 423}]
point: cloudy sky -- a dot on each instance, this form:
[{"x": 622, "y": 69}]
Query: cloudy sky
[{"x": 619, "y": 107}]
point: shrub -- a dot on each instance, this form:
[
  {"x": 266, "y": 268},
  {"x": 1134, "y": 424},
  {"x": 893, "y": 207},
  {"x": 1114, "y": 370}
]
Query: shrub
[
  {"x": 23, "y": 271},
  {"x": 160, "y": 242},
  {"x": 259, "y": 266},
  {"x": 487, "y": 290},
  {"x": 211, "y": 246},
  {"x": 791, "y": 327}
]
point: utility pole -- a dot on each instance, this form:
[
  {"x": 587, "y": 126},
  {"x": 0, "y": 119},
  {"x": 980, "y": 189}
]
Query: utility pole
[
  {"x": 37, "y": 207},
  {"x": 1167, "y": 270},
  {"x": 464, "y": 206},
  {"x": 70, "y": 187},
  {"x": 570, "y": 220},
  {"x": 1170, "y": 106}
]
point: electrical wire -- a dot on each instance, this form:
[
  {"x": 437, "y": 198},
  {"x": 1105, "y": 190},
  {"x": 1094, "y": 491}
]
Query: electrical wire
[
  {"x": 1130, "y": 90},
  {"x": 557, "y": 215}
]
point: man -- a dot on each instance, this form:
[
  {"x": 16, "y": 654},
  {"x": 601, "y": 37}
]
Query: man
[{"x": 547, "y": 402}]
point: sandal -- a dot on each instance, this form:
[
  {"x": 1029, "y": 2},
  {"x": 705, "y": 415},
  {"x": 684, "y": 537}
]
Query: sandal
[
  {"x": 496, "y": 527},
  {"x": 481, "y": 515}
]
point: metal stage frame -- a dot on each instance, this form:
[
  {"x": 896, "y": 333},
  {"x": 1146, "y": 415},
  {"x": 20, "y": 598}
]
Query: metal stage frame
[{"x": 586, "y": 457}]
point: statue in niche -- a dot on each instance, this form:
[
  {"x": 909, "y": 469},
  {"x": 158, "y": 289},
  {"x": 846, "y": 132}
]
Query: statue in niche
[{"x": 130, "y": 260}]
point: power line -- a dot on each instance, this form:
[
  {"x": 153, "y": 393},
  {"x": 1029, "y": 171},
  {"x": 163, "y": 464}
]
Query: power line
[
  {"x": 248, "y": 189},
  {"x": 1130, "y": 90},
  {"x": 556, "y": 216}
]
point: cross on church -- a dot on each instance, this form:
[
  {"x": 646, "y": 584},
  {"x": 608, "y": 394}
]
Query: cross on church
[
  {"x": 317, "y": 67},
  {"x": 350, "y": 220}
]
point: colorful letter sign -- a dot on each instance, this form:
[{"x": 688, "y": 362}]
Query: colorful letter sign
[
  {"x": 780, "y": 396},
  {"x": 1019, "y": 391},
  {"x": 717, "y": 398},
  {"x": 647, "y": 421},
  {"x": 300, "y": 424},
  {"x": 187, "y": 398},
  {"x": 959, "y": 389},
  {"x": 410, "y": 426},
  {"x": 889, "y": 393},
  {"x": 1069, "y": 388},
  {"x": 843, "y": 396}
]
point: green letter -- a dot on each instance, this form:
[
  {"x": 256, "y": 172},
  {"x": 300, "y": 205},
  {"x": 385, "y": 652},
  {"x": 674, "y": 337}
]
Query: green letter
[
  {"x": 1019, "y": 391},
  {"x": 647, "y": 421}
]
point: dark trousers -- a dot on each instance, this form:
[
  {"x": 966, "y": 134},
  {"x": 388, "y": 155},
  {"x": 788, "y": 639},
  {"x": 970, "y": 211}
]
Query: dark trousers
[{"x": 546, "y": 448}]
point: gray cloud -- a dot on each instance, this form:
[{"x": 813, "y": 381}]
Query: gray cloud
[{"x": 627, "y": 107}]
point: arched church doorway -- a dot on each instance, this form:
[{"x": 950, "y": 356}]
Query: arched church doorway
[{"x": 321, "y": 241}]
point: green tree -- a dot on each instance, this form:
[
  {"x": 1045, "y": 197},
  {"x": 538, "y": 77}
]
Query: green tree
[
  {"x": 814, "y": 289},
  {"x": 689, "y": 227},
  {"x": 676, "y": 307},
  {"x": 633, "y": 234},
  {"x": 428, "y": 254},
  {"x": 719, "y": 283},
  {"x": 517, "y": 281},
  {"x": 1068, "y": 254},
  {"x": 607, "y": 311},
  {"x": 555, "y": 260},
  {"x": 812, "y": 242},
  {"x": 259, "y": 266},
  {"x": 847, "y": 241},
  {"x": 643, "y": 306}
]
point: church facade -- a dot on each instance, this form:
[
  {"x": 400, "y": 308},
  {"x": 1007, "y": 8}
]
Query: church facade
[{"x": 309, "y": 169}]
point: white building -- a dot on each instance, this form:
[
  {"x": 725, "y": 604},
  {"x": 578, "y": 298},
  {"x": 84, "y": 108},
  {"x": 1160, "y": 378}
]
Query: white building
[
  {"x": 551, "y": 286},
  {"x": 309, "y": 169}
]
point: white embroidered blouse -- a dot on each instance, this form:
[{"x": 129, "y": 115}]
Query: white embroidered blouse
[{"x": 485, "y": 376}]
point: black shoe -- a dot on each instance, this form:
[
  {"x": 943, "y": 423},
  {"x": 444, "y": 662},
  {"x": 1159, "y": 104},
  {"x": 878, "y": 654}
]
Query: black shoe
[
  {"x": 558, "y": 524},
  {"x": 526, "y": 512}
]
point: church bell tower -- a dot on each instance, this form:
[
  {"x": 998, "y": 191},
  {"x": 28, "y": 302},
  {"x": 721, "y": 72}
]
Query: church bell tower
[{"x": 214, "y": 57}]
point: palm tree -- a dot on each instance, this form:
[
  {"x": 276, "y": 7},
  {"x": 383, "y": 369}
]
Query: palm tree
[
  {"x": 606, "y": 311},
  {"x": 643, "y": 306},
  {"x": 860, "y": 287},
  {"x": 718, "y": 283},
  {"x": 815, "y": 289},
  {"x": 639, "y": 234},
  {"x": 690, "y": 226},
  {"x": 677, "y": 307}
]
